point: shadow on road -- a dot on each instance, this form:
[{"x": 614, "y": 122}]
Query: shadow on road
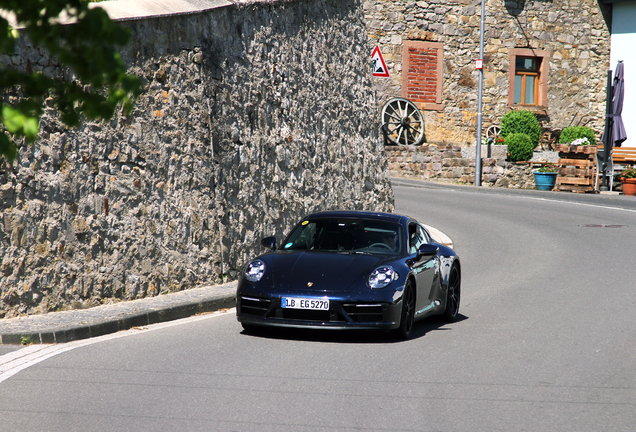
[{"x": 420, "y": 329}]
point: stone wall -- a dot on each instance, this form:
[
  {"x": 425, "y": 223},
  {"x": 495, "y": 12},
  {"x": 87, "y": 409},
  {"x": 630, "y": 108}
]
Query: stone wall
[
  {"x": 574, "y": 33},
  {"x": 240, "y": 132},
  {"x": 452, "y": 164},
  {"x": 431, "y": 162}
]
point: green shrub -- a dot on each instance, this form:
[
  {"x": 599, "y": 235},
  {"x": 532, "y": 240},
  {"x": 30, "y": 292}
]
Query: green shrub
[
  {"x": 521, "y": 122},
  {"x": 520, "y": 147},
  {"x": 571, "y": 133}
]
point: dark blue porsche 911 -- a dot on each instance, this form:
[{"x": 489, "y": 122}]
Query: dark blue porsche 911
[{"x": 350, "y": 270}]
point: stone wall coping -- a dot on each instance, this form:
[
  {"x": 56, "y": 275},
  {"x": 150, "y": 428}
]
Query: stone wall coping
[
  {"x": 140, "y": 9},
  {"x": 126, "y": 10}
]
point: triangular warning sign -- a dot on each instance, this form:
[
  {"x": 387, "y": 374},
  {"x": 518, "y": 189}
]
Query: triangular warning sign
[{"x": 379, "y": 67}]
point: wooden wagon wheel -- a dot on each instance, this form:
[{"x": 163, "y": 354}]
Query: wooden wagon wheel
[
  {"x": 402, "y": 122},
  {"x": 493, "y": 132}
]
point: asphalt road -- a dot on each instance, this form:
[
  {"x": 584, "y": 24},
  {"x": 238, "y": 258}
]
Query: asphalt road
[{"x": 547, "y": 342}]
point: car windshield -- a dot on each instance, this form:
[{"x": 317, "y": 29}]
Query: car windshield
[{"x": 346, "y": 235}]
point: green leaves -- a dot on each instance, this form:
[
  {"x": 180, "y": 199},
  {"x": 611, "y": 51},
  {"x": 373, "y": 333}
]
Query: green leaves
[
  {"x": 18, "y": 123},
  {"x": 523, "y": 121},
  {"x": 88, "y": 48},
  {"x": 571, "y": 133},
  {"x": 520, "y": 147}
]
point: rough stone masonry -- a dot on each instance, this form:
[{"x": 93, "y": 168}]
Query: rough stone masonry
[
  {"x": 574, "y": 33},
  {"x": 253, "y": 115}
]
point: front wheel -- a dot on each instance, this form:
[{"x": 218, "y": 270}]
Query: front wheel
[
  {"x": 453, "y": 294},
  {"x": 407, "y": 317}
]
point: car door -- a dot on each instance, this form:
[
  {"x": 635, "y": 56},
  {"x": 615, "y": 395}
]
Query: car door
[{"x": 425, "y": 269}]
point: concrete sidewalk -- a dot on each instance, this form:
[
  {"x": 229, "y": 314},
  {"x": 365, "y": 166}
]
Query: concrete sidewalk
[{"x": 60, "y": 327}]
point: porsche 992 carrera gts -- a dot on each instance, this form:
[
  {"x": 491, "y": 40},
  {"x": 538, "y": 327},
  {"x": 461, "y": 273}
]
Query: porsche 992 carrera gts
[{"x": 351, "y": 270}]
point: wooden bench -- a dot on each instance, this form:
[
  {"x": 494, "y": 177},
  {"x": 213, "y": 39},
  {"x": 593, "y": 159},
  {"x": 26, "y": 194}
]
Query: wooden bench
[{"x": 624, "y": 155}]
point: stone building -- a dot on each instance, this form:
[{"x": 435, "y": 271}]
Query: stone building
[{"x": 550, "y": 57}]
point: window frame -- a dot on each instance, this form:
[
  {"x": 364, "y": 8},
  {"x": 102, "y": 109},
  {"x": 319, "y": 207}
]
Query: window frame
[
  {"x": 541, "y": 87},
  {"x": 524, "y": 74},
  {"x": 417, "y": 237}
]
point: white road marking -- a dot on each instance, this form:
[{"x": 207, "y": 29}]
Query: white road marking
[
  {"x": 606, "y": 207},
  {"x": 551, "y": 199},
  {"x": 16, "y": 361}
]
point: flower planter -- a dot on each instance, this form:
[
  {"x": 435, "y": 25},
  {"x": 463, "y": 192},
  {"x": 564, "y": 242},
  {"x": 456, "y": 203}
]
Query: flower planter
[
  {"x": 545, "y": 180},
  {"x": 576, "y": 164},
  {"x": 582, "y": 149},
  {"x": 629, "y": 186}
]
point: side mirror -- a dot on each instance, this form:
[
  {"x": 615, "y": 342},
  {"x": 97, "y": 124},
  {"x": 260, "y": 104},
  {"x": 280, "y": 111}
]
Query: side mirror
[
  {"x": 427, "y": 250},
  {"x": 269, "y": 242}
]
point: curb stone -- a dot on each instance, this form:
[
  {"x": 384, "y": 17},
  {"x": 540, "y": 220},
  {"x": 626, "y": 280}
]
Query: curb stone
[{"x": 67, "y": 326}]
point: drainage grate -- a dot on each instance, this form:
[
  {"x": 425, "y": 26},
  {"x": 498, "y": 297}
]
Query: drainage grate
[{"x": 602, "y": 226}]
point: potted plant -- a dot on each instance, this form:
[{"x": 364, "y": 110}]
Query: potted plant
[
  {"x": 577, "y": 135},
  {"x": 577, "y": 139},
  {"x": 545, "y": 177},
  {"x": 628, "y": 179}
]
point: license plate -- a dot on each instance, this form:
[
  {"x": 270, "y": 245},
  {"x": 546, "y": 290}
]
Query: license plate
[{"x": 304, "y": 303}]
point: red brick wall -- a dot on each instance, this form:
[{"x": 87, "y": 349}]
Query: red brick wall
[{"x": 422, "y": 73}]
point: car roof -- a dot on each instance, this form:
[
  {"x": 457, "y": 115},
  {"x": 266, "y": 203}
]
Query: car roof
[{"x": 389, "y": 217}]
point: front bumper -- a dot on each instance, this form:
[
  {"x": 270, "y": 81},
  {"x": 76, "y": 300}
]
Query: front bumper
[{"x": 342, "y": 314}]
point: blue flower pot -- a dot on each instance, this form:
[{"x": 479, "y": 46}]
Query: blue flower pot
[{"x": 545, "y": 180}]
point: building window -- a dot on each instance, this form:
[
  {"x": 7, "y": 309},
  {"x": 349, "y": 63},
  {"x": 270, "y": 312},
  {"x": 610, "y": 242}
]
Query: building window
[
  {"x": 422, "y": 73},
  {"x": 528, "y": 77}
]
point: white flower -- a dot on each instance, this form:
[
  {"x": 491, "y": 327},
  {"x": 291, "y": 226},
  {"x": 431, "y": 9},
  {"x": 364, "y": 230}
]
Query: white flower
[{"x": 580, "y": 141}]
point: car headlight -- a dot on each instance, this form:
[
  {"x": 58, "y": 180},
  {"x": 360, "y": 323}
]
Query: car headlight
[
  {"x": 381, "y": 277},
  {"x": 254, "y": 270}
]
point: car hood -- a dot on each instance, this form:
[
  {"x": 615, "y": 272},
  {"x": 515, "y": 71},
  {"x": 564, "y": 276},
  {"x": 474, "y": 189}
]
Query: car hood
[{"x": 321, "y": 271}]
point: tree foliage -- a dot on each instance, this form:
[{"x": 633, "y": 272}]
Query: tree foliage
[{"x": 88, "y": 48}]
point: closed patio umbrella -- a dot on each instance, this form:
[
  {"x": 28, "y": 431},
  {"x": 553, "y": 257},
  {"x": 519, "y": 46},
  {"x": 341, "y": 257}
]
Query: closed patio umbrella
[
  {"x": 618, "y": 93},
  {"x": 614, "y": 133}
]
